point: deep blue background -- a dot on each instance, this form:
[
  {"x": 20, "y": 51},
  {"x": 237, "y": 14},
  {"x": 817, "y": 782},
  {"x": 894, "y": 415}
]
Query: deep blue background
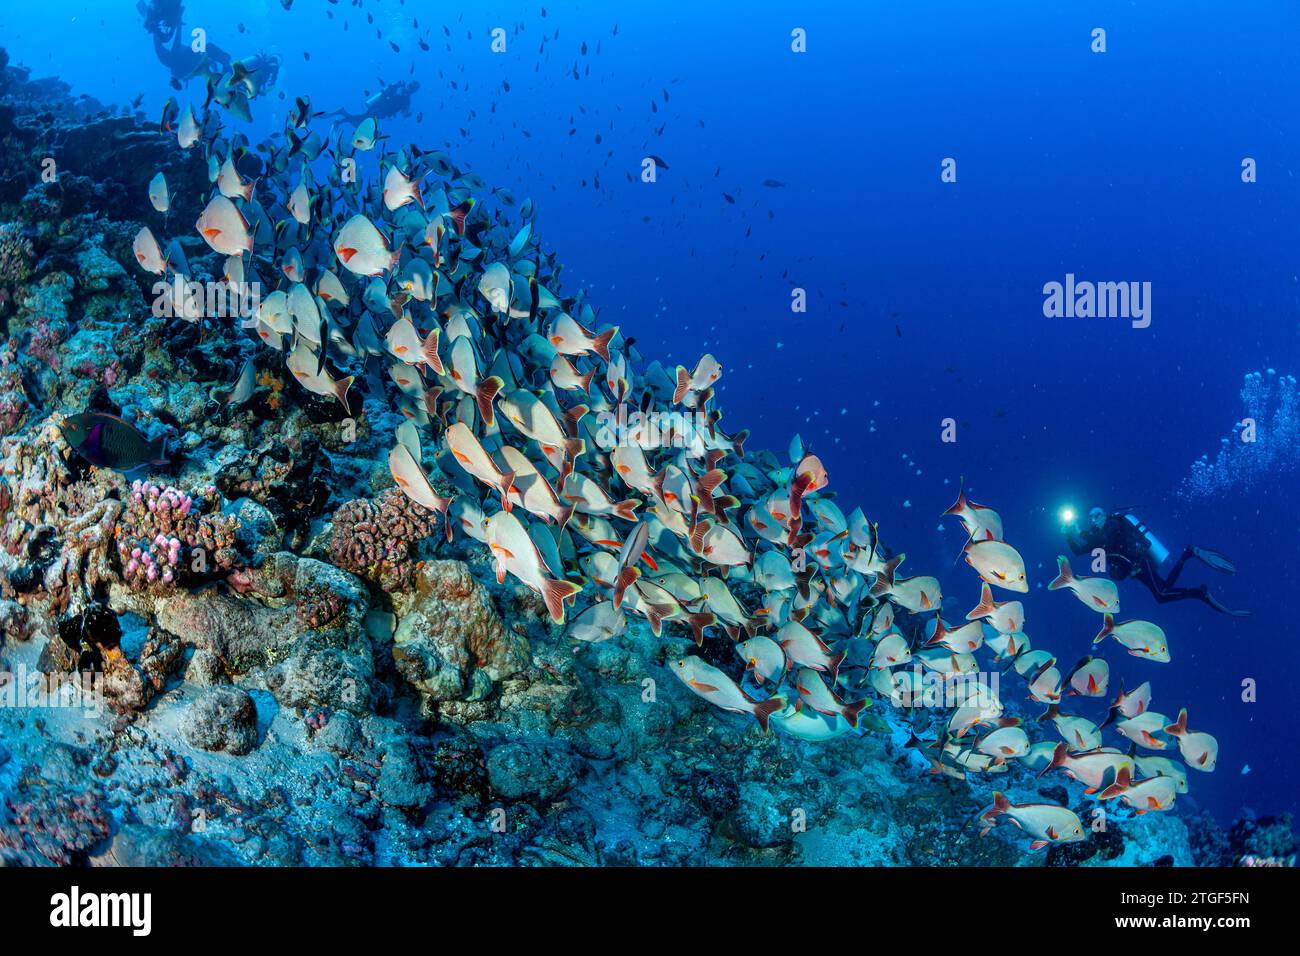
[{"x": 925, "y": 298}]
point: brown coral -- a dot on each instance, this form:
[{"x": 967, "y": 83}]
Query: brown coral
[{"x": 374, "y": 539}]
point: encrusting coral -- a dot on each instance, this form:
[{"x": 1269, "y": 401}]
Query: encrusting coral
[{"x": 374, "y": 538}]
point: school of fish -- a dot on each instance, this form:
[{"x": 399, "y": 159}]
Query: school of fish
[{"x": 609, "y": 486}]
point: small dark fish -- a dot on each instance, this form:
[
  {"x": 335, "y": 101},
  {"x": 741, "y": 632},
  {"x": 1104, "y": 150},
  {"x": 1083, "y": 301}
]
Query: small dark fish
[
  {"x": 659, "y": 162},
  {"x": 773, "y": 184},
  {"x": 109, "y": 442},
  {"x": 728, "y": 198}
]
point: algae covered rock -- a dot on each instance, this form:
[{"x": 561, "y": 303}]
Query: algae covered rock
[
  {"x": 318, "y": 675},
  {"x": 538, "y": 772},
  {"x": 760, "y": 819},
  {"x": 450, "y": 642},
  {"x": 139, "y": 845},
  {"x": 223, "y": 719},
  {"x": 400, "y": 782}
]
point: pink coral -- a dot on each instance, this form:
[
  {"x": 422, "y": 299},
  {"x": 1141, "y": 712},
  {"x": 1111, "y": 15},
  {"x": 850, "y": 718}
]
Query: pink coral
[{"x": 165, "y": 535}]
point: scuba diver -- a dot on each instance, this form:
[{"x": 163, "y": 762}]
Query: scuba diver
[
  {"x": 258, "y": 73},
  {"x": 162, "y": 20},
  {"x": 388, "y": 102},
  {"x": 1132, "y": 550}
]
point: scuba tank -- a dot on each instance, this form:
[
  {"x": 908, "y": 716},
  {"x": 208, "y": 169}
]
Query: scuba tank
[{"x": 1158, "y": 552}]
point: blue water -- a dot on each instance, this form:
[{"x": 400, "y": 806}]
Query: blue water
[{"x": 925, "y": 297}]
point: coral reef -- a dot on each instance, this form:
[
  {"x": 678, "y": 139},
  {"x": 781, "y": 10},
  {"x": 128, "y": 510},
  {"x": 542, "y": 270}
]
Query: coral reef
[
  {"x": 375, "y": 539},
  {"x": 16, "y": 254},
  {"x": 284, "y": 665},
  {"x": 164, "y": 537}
]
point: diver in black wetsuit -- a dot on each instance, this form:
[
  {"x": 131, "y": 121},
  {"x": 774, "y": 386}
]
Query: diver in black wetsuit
[
  {"x": 388, "y": 102},
  {"x": 162, "y": 20},
  {"x": 1131, "y": 551}
]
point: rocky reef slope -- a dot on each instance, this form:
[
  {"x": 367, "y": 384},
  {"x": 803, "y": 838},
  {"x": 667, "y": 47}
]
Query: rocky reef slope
[{"x": 289, "y": 665}]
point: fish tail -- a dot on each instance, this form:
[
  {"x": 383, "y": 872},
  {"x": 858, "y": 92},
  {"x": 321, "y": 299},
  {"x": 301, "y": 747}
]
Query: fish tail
[
  {"x": 625, "y": 579},
  {"x": 484, "y": 395},
  {"x": 851, "y": 711},
  {"x": 460, "y": 213},
  {"x": 600, "y": 344},
  {"x": 1058, "y": 759},
  {"x": 566, "y": 512},
  {"x": 574, "y": 448},
  {"x": 707, "y": 482},
  {"x": 1000, "y": 806},
  {"x": 836, "y": 661},
  {"x": 960, "y": 504},
  {"x": 627, "y": 509},
  {"x": 699, "y": 622},
  {"x": 985, "y": 606},
  {"x": 555, "y": 592},
  {"x": 655, "y": 614},
  {"x": 696, "y": 538},
  {"x": 1123, "y": 780},
  {"x": 764, "y": 709},
  {"x": 683, "y": 385},
  {"x": 1065, "y": 578},
  {"x": 572, "y": 417},
  {"x": 158, "y": 451},
  {"x": 341, "y": 388},
  {"x": 444, "y": 506},
  {"x": 429, "y": 350},
  {"x": 939, "y": 632},
  {"x": 507, "y": 486},
  {"x": 1179, "y": 728},
  {"x": 1108, "y": 627},
  {"x": 884, "y": 582}
]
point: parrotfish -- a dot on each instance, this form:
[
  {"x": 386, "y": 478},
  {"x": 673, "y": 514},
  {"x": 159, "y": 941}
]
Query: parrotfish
[{"x": 107, "y": 441}]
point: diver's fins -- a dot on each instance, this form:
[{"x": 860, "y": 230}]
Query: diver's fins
[
  {"x": 1215, "y": 560},
  {"x": 1213, "y": 602}
]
